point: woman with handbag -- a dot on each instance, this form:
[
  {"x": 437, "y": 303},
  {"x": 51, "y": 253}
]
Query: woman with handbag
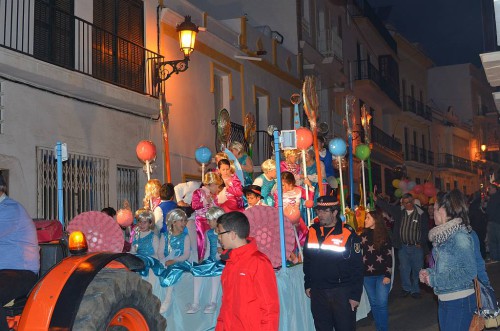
[{"x": 455, "y": 265}]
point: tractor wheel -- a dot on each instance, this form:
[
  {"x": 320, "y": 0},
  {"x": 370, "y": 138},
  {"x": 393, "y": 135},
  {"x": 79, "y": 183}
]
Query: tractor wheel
[{"x": 118, "y": 299}]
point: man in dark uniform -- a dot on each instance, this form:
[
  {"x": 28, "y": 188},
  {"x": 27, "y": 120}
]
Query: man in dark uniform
[{"x": 333, "y": 269}]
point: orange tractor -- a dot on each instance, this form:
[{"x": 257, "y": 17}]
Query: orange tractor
[{"x": 89, "y": 291}]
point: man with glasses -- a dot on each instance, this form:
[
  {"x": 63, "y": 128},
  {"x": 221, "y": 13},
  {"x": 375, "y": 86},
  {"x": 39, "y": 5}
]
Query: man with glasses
[
  {"x": 249, "y": 290},
  {"x": 409, "y": 237},
  {"x": 333, "y": 269}
]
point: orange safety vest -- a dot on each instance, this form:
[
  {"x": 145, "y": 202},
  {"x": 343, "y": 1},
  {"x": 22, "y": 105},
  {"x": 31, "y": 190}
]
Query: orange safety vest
[{"x": 332, "y": 242}]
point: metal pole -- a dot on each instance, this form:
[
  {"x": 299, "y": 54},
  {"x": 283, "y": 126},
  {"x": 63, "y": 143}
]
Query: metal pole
[
  {"x": 370, "y": 183},
  {"x": 280, "y": 198},
  {"x": 351, "y": 172},
  {"x": 60, "y": 201}
]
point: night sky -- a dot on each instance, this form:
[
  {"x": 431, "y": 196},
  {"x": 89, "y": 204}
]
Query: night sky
[{"x": 449, "y": 31}]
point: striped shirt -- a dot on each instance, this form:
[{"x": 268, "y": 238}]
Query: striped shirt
[{"x": 410, "y": 228}]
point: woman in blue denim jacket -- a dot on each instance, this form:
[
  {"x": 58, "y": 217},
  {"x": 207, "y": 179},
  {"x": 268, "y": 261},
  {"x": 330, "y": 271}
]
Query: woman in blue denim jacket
[{"x": 453, "y": 250}]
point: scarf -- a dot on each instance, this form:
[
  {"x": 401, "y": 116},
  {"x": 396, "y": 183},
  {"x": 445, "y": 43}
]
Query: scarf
[{"x": 441, "y": 233}]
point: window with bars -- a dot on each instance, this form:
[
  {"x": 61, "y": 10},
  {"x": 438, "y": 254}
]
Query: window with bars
[
  {"x": 117, "y": 40},
  {"x": 85, "y": 184},
  {"x": 54, "y": 32},
  {"x": 127, "y": 187}
]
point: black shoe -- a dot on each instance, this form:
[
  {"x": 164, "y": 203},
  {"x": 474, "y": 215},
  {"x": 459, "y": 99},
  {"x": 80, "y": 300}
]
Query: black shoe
[
  {"x": 416, "y": 295},
  {"x": 404, "y": 293}
]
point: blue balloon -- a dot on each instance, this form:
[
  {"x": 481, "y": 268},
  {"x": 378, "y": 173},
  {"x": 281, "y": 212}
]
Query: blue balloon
[
  {"x": 337, "y": 147},
  {"x": 203, "y": 154}
]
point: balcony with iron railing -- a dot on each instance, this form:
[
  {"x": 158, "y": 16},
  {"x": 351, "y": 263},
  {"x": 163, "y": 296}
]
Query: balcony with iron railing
[
  {"x": 364, "y": 70},
  {"x": 383, "y": 139},
  {"x": 363, "y": 8},
  {"x": 72, "y": 43},
  {"x": 416, "y": 107},
  {"x": 450, "y": 161},
  {"x": 419, "y": 154}
]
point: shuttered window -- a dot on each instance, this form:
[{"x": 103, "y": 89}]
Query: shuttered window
[
  {"x": 118, "y": 38},
  {"x": 54, "y": 32}
]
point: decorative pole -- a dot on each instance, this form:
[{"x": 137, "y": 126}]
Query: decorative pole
[
  {"x": 164, "y": 129},
  {"x": 365, "y": 122},
  {"x": 349, "y": 104},
  {"x": 280, "y": 197},
  {"x": 60, "y": 200}
]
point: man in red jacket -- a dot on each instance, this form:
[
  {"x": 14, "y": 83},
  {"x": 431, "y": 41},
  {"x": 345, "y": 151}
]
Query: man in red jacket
[{"x": 249, "y": 291}]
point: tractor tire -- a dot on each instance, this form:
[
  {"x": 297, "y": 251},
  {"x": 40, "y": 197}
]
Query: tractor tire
[{"x": 115, "y": 293}]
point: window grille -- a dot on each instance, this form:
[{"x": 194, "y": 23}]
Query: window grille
[
  {"x": 85, "y": 184},
  {"x": 127, "y": 187}
]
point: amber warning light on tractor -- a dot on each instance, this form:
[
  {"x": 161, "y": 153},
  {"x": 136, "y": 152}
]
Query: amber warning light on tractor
[{"x": 77, "y": 243}]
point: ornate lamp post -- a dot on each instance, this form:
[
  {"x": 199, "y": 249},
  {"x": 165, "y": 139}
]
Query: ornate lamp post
[{"x": 163, "y": 70}]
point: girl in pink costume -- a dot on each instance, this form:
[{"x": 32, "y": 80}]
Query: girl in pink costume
[
  {"x": 291, "y": 164},
  {"x": 231, "y": 196},
  {"x": 204, "y": 198},
  {"x": 295, "y": 196}
]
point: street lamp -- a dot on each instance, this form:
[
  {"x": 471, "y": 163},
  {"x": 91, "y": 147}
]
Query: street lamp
[
  {"x": 483, "y": 148},
  {"x": 187, "y": 35}
]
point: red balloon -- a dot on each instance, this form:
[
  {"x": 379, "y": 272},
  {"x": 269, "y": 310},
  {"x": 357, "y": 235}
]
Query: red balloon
[
  {"x": 430, "y": 191},
  {"x": 292, "y": 213},
  {"x": 428, "y": 185},
  {"x": 309, "y": 203},
  {"x": 304, "y": 138},
  {"x": 145, "y": 150},
  {"x": 418, "y": 189}
]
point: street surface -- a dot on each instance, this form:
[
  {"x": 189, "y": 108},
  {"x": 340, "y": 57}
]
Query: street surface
[{"x": 408, "y": 314}]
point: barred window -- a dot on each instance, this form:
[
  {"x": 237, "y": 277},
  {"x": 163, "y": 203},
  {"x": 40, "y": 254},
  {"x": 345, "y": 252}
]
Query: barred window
[
  {"x": 85, "y": 184},
  {"x": 127, "y": 187}
]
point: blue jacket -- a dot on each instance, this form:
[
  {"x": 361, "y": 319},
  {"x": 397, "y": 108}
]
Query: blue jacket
[
  {"x": 18, "y": 240},
  {"x": 455, "y": 266}
]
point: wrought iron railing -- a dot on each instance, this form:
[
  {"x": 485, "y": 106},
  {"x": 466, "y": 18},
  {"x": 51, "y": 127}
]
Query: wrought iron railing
[
  {"x": 418, "y": 108},
  {"x": 419, "y": 154},
  {"x": 262, "y": 148},
  {"x": 364, "y": 9},
  {"x": 75, "y": 44},
  {"x": 446, "y": 160},
  {"x": 365, "y": 70},
  {"x": 385, "y": 140}
]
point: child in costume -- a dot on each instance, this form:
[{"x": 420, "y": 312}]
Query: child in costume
[
  {"x": 174, "y": 249},
  {"x": 144, "y": 241},
  {"x": 291, "y": 164},
  {"x": 294, "y": 197},
  {"x": 202, "y": 199},
  {"x": 253, "y": 195},
  {"x": 210, "y": 267},
  {"x": 230, "y": 198},
  {"x": 267, "y": 181},
  {"x": 245, "y": 161}
]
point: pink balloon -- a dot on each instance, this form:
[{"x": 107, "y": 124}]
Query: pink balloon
[
  {"x": 418, "y": 189},
  {"x": 124, "y": 217},
  {"x": 430, "y": 191},
  {"x": 403, "y": 185},
  {"x": 292, "y": 213}
]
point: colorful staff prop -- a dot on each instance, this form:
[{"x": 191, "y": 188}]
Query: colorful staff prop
[
  {"x": 203, "y": 156},
  {"x": 338, "y": 148},
  {"x": 304, "y": 141}
]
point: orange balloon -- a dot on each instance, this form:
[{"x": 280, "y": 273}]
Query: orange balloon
[
  {"x": 124, "y": 217},
  {"x": 304, "y": 138},
  {"x": 145, "y": 150},
  {"x": 309, "y": 203}
]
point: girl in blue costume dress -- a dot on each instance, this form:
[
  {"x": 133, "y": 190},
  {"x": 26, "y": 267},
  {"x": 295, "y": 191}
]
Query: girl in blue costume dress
[
  {"x": 245, "y": 161},
  {"x": 145, "y": 243},
  {"x": 267, "y": 181},
  {"x": 175, "y": 250},
  {"x": 210, "y": 267}
]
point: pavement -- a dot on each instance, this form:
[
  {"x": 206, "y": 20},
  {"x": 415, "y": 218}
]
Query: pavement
[{"x": 409, "y": 314}]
